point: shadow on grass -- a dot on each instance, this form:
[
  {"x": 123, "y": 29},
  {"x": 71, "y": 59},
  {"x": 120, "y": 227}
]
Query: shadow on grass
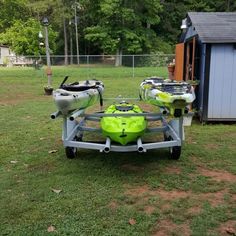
[
  {"x": 117, "y": 159},
  {"x": 118, "y": 165}
]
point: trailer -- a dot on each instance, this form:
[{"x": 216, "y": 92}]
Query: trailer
[{"x": 75, "y": 124}]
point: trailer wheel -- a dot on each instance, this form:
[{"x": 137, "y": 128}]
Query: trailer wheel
[
  {"x": 79, "y": 138},
  {"x": 175, "y": 152},
  {"x": 167, "y": 138},
  {"x": 71, "y": 152}
]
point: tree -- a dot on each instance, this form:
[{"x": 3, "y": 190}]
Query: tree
[
  {"x": 106, "y": 26},
  {"x": 123, "y": 26},
  {"x": 173, "y": 13},
  {"x": 223, "y": 5},
  {"x": 22, "y": 37},
  {"x": 59, "y": 12},
  {"x": 10, "y": 11}
]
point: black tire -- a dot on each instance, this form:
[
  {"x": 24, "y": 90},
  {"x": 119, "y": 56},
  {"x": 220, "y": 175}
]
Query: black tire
[
  {"x": 79, "y": 138},
  {"x": 175, "y": 152},
  {"x": 167, "y": 138},
  {"x": 71, "y": 152}
]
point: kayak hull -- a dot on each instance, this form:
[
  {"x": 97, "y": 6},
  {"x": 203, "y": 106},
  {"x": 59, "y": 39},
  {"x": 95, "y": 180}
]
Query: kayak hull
[
  {"x": 67, "y": 101},
  {"x": 123, "y": 130}
]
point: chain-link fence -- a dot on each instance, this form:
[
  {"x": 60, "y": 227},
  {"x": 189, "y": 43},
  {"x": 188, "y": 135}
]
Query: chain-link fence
[{"x": 130, "y": 64}]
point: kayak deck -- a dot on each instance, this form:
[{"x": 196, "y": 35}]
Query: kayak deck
[
  {"x": 78, "y": 95},
  {"x": 123, "y": 129},
  {"x": 171, "y": 95}
]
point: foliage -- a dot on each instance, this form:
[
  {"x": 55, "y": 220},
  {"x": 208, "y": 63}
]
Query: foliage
[
  {"x": 10, "y": 11},
  {"x": 124, "y": 25},
  {"x": 22, "y": 37},
  {"x": 109, "y": 26},
  {"x": 157, "y": 59},
  {"x": 174, "y": 11},
  {"x": 56, "y": 11},
  {"x": 172, "y": 14}
]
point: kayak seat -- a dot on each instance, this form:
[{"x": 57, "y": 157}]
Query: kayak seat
[
  {"x": 77, "y": 88},
  {"x": 124, "y": 108}
]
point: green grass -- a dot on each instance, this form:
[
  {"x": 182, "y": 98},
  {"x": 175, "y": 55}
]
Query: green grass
[{"x": 101, "y": 193}]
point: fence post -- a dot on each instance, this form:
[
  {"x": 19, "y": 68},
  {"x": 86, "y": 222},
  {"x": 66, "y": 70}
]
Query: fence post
[
  {"x": 133, "y": 64},
  {"x": 88, "y": 66},
  {"x": 87, "y": 60}
]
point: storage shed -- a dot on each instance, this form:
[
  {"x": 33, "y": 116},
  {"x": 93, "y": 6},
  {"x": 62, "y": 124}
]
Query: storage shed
[{"x": 207, "y": 52}]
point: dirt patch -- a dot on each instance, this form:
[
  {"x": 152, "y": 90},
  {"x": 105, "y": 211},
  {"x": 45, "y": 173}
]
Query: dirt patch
[
  {"x": 167, "y": 227},
  {"x": 227, "y": 228},
  {"x": 196, "y": 161},
  {"x": 234, "y": 197},
  {"x": 211, "y": 146},
  {"x": 230, "y": 134},
  {"x": 165, "y": 207},
  {"x": 149, "y": 209},
  {"x": 164, "y": 228},
  {"x": 138, "y": 191},
  {"x": 41, "y": 167},
  {"x": 18, "y": 98},
  {"x": 113, "y": 205},
  {"x": 171, "y": 195},
  {"x": 130, "y": 167},
  {"x": 218, "y": 175},
  {"x": 190, "y": 140},
  {"x": 146, "y": 107},
  {"x": 215, "y": 199},
  {"x": 166, "y": 195},
  {"x": 172, "y": 170},
  {"x": 195, "y": 210}
]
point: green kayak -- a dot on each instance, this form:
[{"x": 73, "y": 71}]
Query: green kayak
[
  {"x": 123, "y": 130},
  {"x": 172, "y": 95}
]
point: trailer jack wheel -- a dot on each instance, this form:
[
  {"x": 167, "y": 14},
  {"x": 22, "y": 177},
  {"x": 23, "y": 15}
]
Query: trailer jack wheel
[
  {"x": 175, "y": 152},
  {"x": 71, "y": 152}
]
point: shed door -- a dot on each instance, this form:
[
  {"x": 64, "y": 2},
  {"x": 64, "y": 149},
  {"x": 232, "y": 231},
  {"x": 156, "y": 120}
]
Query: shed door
[
  {"x": 179, "y": 61},
  {"x": 222, "y": 82}
]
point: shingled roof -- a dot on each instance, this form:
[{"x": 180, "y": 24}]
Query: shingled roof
[{"x": 214, "y": 27}]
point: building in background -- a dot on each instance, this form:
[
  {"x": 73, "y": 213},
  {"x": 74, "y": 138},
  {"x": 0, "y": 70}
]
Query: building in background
[
  {"x": 9, "y": 58},
  {"x": 4, "y": 55},
  {"x": 207, "y": 53}
]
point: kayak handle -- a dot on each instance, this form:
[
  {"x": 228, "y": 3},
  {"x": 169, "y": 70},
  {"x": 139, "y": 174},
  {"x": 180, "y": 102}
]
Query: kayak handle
[{"x": 64, "y": 80}]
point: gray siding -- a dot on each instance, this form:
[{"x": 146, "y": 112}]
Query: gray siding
[{"x": 222, "y": 82}]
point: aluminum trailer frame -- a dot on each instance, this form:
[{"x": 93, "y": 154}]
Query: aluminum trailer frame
[{"x": 73, "y": 129}]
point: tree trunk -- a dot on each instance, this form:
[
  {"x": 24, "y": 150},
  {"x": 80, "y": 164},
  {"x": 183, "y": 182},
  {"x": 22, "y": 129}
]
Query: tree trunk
[
  {"x": 228, "y": 5},
  {"x": 65, "y": 42},
  {"x": 121, "y": 54},
  {"x": 118, "y": 61},
  {"x": 71, "y": 47}
]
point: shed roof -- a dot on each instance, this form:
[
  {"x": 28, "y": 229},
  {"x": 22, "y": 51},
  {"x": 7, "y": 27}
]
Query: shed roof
[{"x": 214, "y": 27}]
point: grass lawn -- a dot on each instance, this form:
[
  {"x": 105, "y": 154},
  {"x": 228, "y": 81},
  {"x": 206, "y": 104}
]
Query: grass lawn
[{"x": 107, "y": 194}]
